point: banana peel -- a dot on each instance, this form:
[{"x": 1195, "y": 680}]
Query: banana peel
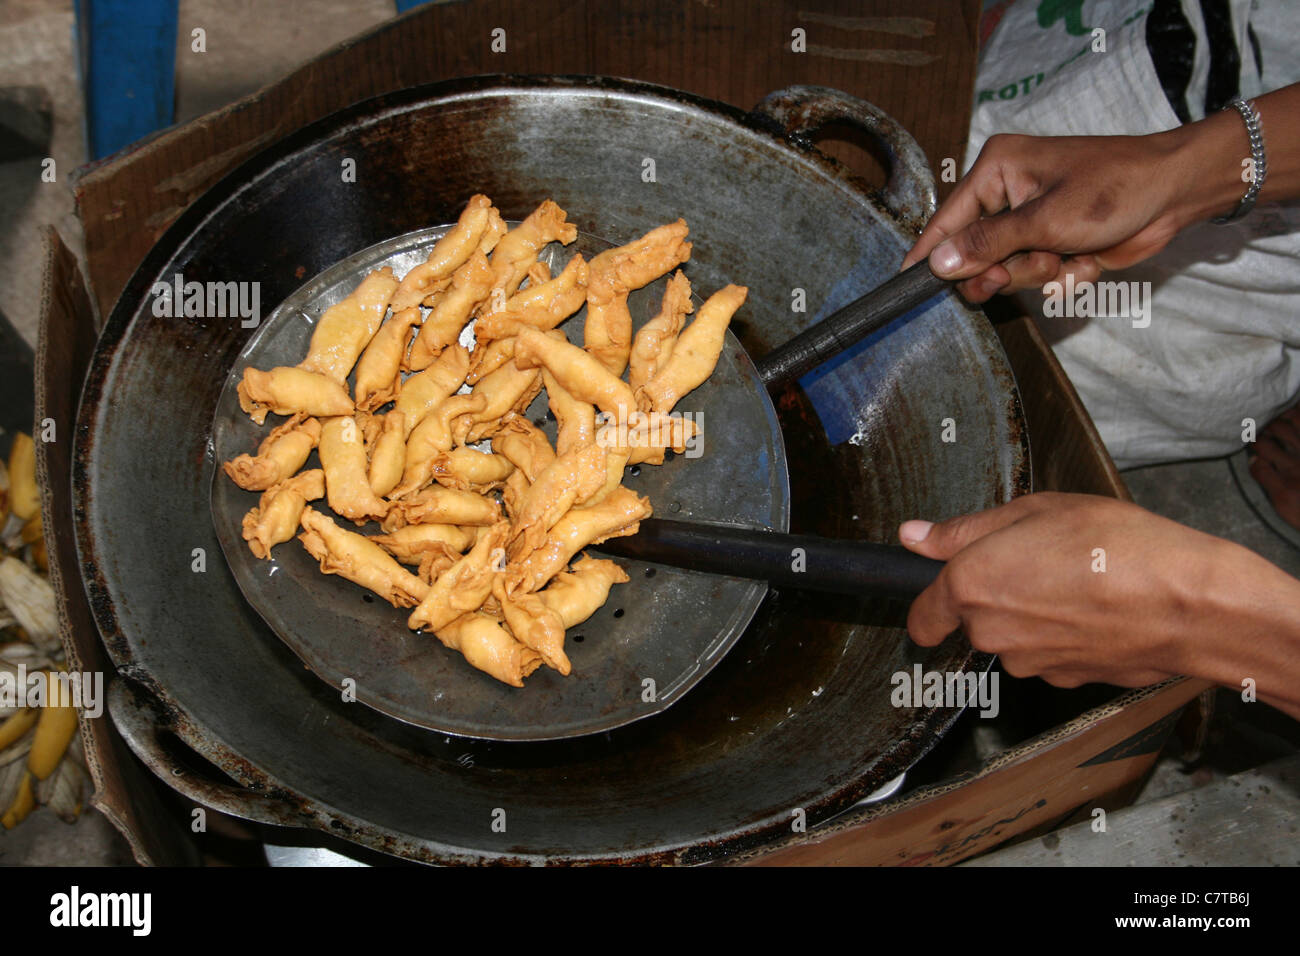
[
  {"x": 17, "y": 725},
  {"x": 14, "y": 753},
  {"x": 30, "y": 599},
  {"x": 63, "y": 791},
  {"x": 22, "y": 804},
  {"x": 41, "y": 759},
  {"x": 45, "y": 768}
]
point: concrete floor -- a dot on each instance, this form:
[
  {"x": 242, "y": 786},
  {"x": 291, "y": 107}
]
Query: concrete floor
[
  {"x": 36, "y": 50},
  {"x": 248, "y": 45},
  {"x": 1204, "y": 495}
]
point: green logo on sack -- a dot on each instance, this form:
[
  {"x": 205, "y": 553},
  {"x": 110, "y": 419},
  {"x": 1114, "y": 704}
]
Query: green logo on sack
[{"x": 1071, "y": 11}]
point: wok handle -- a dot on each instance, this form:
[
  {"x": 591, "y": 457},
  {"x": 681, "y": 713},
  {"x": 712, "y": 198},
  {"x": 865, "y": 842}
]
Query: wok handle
[
  {"x": 799, "y": 110},
  {"x": 826, "y": 339},
  {"x": 805, "y": 562},
  {"x": 146, "y": 737}
]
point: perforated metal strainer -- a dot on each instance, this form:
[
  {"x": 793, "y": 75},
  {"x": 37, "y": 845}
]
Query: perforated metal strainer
[{"x": 655, "y": 637}]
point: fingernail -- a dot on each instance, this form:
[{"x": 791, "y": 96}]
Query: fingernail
[
  {"x": 989, "y": 287},
  {"x": 945, "y": 258},
  {"x": 914, "y": 531}
]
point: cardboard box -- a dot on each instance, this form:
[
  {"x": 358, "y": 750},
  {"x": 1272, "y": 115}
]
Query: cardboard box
[
  {"x": 1083, "y": 763},
  {"x": 915, "y": 59}
]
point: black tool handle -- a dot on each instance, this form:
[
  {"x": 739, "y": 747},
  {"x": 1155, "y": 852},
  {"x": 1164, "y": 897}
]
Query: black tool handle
[
  {"x": 850, "y": 325},
  {"x": 785, "y": 560}
]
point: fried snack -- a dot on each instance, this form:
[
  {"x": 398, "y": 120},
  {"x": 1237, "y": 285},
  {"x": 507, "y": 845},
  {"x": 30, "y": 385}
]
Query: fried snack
[
  {"x": 360, "y": 560},
  {"x": 489, "y": 647},
  {"x": 464, "y": 586},
  {"x": 616, "y": 272},
  {"x": 467, "y": 469},
  {"x": 371, "y": 426},
  {"x": 538, "y": 273},
  {"x": 512, "y": 493},
  {"x": 424, "y": 391},
  {"x": 575, "y": 421},
  {"x": 570, "y": 479},
  {"x": 439, "y": 505},
  {"x": 431, "y": 438},
  {"x": 435, "y": 562},
  {"x": 696, "y": 353},
  {"x": 291, "y": 391},
  {"x": 279, "y": 456},
  {"x": 509, "y": 388},
  {"x": 275, "y": 518},
  {"x": 487, "y": 358},
  {"x": 379, "y": 373},
  {"x": 563, "y": 294},
  {"x": 479, "y": 224},
  {"x": 534, "y": 625},
  {"x": 654, "y": 343},
  {"x": 470, "y": 285},
  {"x": 618, "y": 515},
  {"x": 541, "y": 306},
  {"x": 618, "y": 454},
  {"x": 387, "y": 454},
  {"x": 576, "y": 595},
  {"x": 411, "y": 543},
  {"x": 346, "y": 328},
  {"x": 577, "y": 372},
  {"x": 518, "y": 248},
  {"x": 347, "y": 484},
  {"x": 651, "y": 435},
  {"x": 525, "y": 445}
]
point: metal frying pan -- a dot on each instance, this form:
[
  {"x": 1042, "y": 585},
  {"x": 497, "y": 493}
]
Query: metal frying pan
[{"x": 798, "y": 715}]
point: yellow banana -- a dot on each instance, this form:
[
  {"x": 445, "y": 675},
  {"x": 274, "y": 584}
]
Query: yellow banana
[
  {"x": 15, "y": 725},
  {"x": 32, "y": 530},
  {"x": 53, "y": 731},
  {"x": 21, "y": 806},
  {"x": 24, "y": 495}
]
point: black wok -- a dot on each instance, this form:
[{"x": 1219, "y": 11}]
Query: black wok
[{"x": 796, "y": 718}]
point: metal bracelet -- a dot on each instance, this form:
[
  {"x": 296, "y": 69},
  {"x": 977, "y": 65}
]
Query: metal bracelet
[{"x": 1258, "y": 159}]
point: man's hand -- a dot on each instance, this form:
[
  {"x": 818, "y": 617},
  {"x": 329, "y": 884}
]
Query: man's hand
[
  {"x": 1034, "y": 208},
  {"x": 1080, "y": 588},
  {"x": 1106, "y": 202}
]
